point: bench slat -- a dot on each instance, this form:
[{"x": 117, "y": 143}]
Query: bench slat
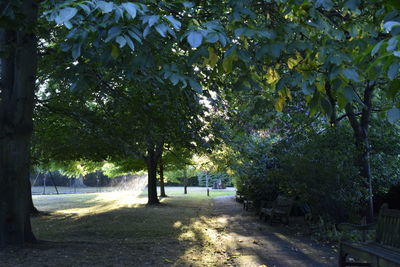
[
  {"x": 385, "y": 250},
  {"x": 371, "y": 252}
]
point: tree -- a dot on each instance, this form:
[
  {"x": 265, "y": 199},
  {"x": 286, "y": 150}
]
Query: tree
[
  {"x": 338, "y": 71},
  {"x": 18, "y": 72}
]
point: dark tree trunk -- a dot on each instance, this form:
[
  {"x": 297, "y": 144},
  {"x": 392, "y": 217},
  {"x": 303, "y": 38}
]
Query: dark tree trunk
[
  {"x": 360, "y": 129},
  {"x": 185, "y": 181},
  {"x": 32, "y": 209},
  {"x": 18, "y": 75},
  {"x": 162, "y": 184},
  {"x": 151, "y": 160}
]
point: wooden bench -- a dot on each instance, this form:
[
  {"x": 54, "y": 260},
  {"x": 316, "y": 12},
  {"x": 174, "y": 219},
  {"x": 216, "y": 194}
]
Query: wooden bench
[
  {"x": 279, "y": 210},
  {"x": 247, "y": 204},
  {"x": 383, "y": 251},
  {"x": 239, "y": 198}
]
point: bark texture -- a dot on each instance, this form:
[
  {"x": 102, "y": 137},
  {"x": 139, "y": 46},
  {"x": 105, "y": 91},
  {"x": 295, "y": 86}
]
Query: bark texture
[
  {"x": 162, "y": 183},
  {"x": 153, "y": 156},
  {"x": 360, "y": 128},
  {"x": 17, "y": 85}
]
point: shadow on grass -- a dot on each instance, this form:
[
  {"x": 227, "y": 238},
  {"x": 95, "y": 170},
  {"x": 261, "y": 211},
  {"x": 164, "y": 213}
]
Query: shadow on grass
[
  {"x": 113, "y": 230},
  {"x": 108, "y": 232}
]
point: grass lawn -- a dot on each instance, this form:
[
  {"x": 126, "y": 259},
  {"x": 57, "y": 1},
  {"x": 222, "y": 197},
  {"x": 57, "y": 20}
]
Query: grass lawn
[{"x": 118, "y": 229}]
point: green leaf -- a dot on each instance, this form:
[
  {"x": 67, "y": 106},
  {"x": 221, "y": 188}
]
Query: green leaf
[
  {"x": 76, "y": 50},
  {"x": 85, "y": 8},
  {"x": 162, "y": 29},
  {"x": 389, "y": 25},
  {"x": 306, "y": 89},
  {"x": 326, "y": 4},
  {"x": 135, "y": 36},
  {"x": 68, "y": 25},
  {"x": 349, "y": 94},
  {"x": 188, "y": 4},
  {"x": 106, "y": 7},
  {"x": 196, "y": 86},
  {"x": 66, "y": 14},
  {"x": 352, "y": 4},
  {"x": 393, "y": 71},
  {"x": 222, "y": 39},
  {"x": 269, "y": 34},
  {"x": 326, "y": 106},
  {"x": 114, "y": 51},
  {"x": 227, "y": 64},
  {"x": 376, "y": 48},
  {"x": 130, "y": 9},
  {"x": 240, "y": 31},
  {"x": 393, "y": 115},
  {"x": 112, "y": 33},
  {"x": 175, "y": 23},
  {"x": 230, "y": 50},
  {"x": 174, "y": 78},
  {"x": 121, "y": 41},
  {"x": 129, "y": 42},
  {"x": 212, "y": 37},
  {"x": 392, "y": 44},
  {"x": 194, "y": 39},
  {"x": 351, "y": 74},
  {"x": 146, "y": 31},
  {"x": 393, "y": 89},
  {"x": 153, "y": 20},
  {"x": 276, "y": 49}
]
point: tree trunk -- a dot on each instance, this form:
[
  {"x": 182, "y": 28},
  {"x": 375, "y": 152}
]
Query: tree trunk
[
  {"x": 185, "y": 181},
  {"x": 162, "y": 184},
  {"x": 18, "y": 76},
  {"x": 151, "y": 160},
  {"x": 360, "y": 129},
  {"x": 32, "y": 209}
]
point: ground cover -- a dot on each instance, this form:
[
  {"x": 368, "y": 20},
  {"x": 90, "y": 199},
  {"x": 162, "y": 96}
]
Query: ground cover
[{"x": 116, "y": 228}]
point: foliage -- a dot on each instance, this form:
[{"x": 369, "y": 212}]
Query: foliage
[{"x": 319, "y": 169}]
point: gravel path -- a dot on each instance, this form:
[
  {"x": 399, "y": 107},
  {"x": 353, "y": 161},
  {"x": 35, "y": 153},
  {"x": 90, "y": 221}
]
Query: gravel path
[{"x": 250, "y": 242}]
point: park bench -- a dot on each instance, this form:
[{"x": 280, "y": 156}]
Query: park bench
[
  {"x": 278, "y": 210},
  {"x": 383, "y": 251},
  {"x": 239, "y": 198},
  {"x": 247, "y": 204}
]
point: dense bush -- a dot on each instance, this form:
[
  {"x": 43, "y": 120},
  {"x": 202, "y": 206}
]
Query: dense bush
[{"x": 319, "y": 170}]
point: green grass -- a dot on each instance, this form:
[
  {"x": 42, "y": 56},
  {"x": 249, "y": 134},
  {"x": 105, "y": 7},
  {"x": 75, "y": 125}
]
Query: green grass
[
  {"x": 176, "y": 231},
  {"x": 78, "y": 213}
]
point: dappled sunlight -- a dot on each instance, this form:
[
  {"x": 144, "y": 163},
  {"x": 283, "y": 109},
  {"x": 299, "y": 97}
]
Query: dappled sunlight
[
  {"x": 106, "y": 202},
  {"x": 203, "y": 235},
  {"x": 177, "y": 224}
]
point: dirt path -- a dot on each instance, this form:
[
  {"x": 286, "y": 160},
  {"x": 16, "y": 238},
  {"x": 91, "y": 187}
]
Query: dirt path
[{"x": 250, "y": 242}]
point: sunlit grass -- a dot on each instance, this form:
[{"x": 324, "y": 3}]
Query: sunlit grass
[
  {"x": 83, "y": 204},
  {"x": 180, "y": 231}
]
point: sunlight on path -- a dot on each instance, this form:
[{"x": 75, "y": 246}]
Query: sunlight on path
[{"x": 250, "y": 242}]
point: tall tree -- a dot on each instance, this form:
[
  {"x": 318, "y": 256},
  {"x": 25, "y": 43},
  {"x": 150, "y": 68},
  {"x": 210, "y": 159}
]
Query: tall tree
[{"x": 17, "y": 88}]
